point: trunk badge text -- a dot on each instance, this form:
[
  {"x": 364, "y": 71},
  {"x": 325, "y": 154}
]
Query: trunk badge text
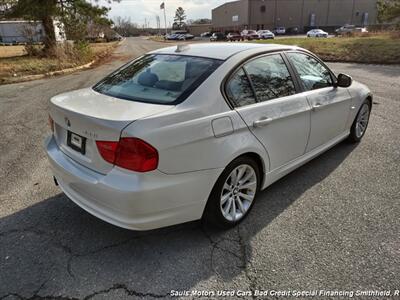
[{"x": 89, "y": 134}]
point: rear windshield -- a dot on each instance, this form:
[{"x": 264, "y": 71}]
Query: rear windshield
[{"x": 158, "y": 78}]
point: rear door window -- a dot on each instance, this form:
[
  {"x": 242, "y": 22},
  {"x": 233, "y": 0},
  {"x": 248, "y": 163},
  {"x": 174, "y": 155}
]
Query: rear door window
[{"x": 270, "y": 77}]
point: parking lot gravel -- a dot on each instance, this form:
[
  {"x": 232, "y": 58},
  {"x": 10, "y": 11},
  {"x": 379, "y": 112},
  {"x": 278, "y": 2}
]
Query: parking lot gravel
[{"x": 333, "y": 224}]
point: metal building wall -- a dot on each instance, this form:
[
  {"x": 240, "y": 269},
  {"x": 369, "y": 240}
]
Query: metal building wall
[
  {"x": 267, "y": 14},
  {"x": 222, "y": 16}
]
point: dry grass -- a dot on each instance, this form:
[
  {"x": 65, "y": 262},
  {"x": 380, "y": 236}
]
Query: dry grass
[
  {"x": 11, "y": 51},
  {"x": 379, "y": 48},
  {"x": 99, "y": 48},
  {"x": 157, "y": 38},
  {"x": 25, "y": 65}
]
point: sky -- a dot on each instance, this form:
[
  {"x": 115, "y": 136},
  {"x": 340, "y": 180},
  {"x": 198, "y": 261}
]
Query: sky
[{"x": 139, "y": 10}]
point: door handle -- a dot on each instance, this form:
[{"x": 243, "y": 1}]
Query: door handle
[
  {"x": 317, "y": 106},
  {"x": 262, "y": 122}
]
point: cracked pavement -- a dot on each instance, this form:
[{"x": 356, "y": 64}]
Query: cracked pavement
[{"x": 331, "y": 224}]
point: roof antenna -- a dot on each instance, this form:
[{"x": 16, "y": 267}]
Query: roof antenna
[{"x": 181, "y": 48}]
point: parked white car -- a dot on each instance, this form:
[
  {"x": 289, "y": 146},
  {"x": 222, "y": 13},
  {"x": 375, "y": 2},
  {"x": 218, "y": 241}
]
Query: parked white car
[
  {"x": 196, "y": 131},
  {"x": 205, "y": 34},
  {"x": 317, "y": 33},
  {"x": 186, "y": 36},
  {"x": 265, "y": 34},
  {"x": 279, "y": 30}
]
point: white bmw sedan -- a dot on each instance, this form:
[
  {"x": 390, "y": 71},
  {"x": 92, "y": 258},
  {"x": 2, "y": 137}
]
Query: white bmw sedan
[{"x": 196, "y": 131}]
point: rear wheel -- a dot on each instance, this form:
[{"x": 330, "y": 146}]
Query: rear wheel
[
  {"x": 233, "y": 194},
  {"x": 360, "y": 123}
]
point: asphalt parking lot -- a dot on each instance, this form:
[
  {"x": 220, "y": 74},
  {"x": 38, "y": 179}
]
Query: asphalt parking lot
[{"x": 333, "y": 224}]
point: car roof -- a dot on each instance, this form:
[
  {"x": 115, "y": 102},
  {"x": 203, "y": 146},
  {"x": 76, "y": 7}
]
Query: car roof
[{"x": 217, "y": 50}]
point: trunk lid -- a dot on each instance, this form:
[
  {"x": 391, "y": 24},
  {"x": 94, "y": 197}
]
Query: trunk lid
[{"x": 89, "y": 116}]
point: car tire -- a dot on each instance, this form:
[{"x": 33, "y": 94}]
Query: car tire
[
  {"x": 360, "y": 123},
  {"x": 228, "y": 207}
]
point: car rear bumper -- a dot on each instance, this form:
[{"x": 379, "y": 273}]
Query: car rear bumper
[{"x": 139, "y": 201}]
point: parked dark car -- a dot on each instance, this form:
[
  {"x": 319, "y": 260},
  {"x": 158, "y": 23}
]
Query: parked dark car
[
  {"x": 293, "y": 30},
  {"x": 250, "y": 35},
  {"x": 218, "y": 36},
  {"x": 234, "y": 36}
]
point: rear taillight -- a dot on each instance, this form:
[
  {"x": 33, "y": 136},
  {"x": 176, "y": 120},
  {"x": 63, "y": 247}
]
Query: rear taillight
[
  {"x": 107, "y": 150},
  {"x": 51, "y": 124},
  {"x": 129, "y": 153},
  {"x": 135, "y": 154}
]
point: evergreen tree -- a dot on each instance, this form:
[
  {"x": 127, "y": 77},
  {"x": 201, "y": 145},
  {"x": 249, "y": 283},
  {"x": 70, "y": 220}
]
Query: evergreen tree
[{"x": 180, "y": 17}]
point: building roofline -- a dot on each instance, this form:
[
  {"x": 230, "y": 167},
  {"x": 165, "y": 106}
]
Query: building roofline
[{"x": 226, "y": 3}]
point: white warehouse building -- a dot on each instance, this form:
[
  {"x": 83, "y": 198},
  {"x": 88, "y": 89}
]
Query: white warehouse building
[{"x": 22, "y": 31}]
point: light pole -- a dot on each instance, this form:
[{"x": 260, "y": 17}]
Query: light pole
[{"x": 162, "y": 6}]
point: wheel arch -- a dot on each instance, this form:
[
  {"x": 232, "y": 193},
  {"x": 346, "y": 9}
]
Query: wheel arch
[
  {"x": 259, "y": 161},
  {"x": 369, "y": 99},
  {"x": 208, "y": 208}
]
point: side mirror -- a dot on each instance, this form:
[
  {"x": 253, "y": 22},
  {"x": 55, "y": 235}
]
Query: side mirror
[{"x": 344, "y": 80}]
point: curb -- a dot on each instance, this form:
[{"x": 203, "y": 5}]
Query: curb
[
  {"x": 52, "y": 73},
  {"x": 48, "y": 74}
]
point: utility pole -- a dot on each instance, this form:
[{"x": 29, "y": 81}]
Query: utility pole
[
  {"x": 158, "y": 24},
  {"x": 162, "y": 6}
]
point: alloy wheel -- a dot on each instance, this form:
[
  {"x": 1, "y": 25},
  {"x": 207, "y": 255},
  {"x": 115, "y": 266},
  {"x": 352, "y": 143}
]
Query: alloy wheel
[
  {"x": 238, "y": 192},
  {"x": 362, "y": 120}
]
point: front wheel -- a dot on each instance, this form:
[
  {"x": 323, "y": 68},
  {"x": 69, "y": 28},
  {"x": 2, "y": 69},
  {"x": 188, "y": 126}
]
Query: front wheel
[
  {"x": 360, "y": 123},
  {"x": 233, "y": 194}
]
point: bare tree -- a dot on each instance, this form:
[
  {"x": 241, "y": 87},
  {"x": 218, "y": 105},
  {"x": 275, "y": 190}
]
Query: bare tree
[{"x": 125, "y": 27}]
